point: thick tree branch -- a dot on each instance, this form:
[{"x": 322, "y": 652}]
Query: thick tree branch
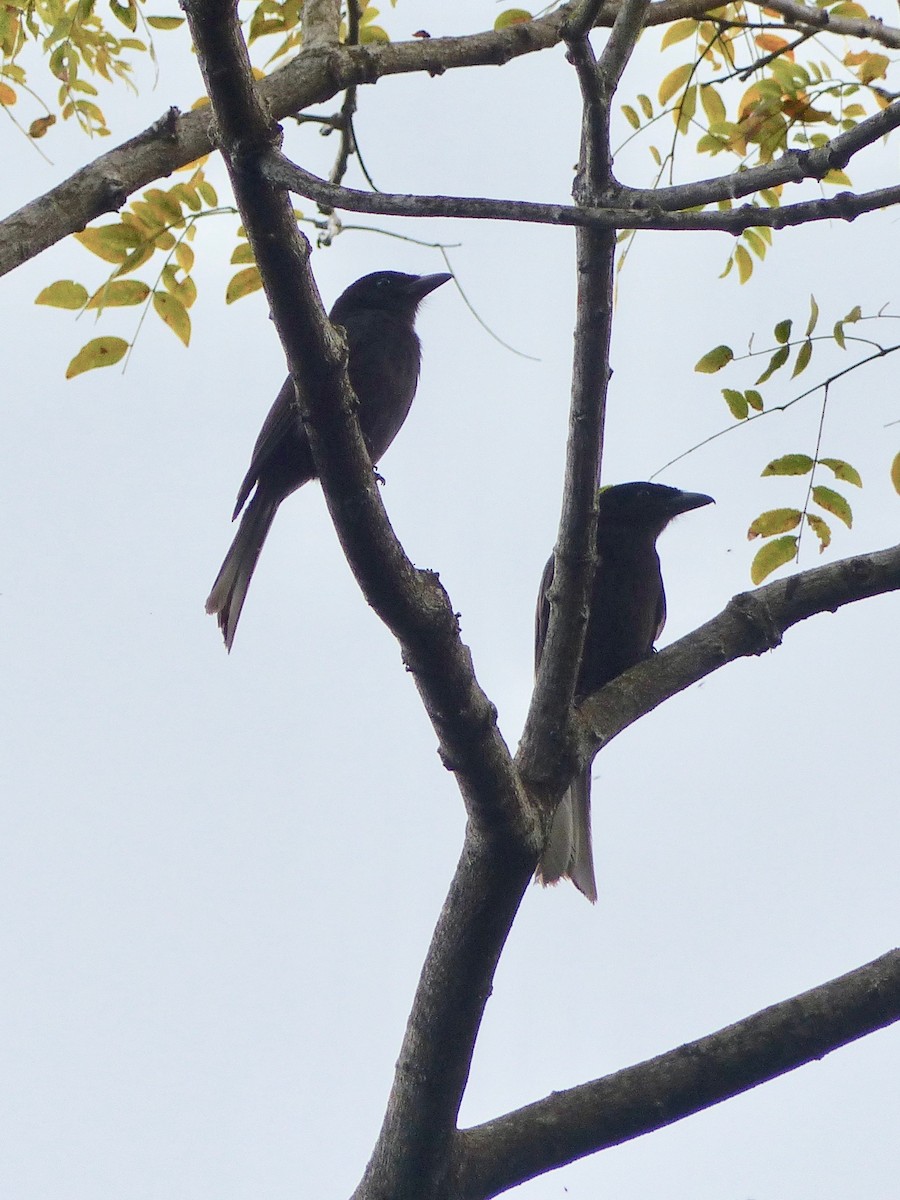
[
  {"x": 612, "y": 214},
  {"x": 806, "y": 16},
  {"x": 750, "y": 624},
  {"x": 568, "y": 1125},
  {"x": 321, "y": 24},
  {"x": 502, "y": 838},
  {"x": 314, "y": 77}
]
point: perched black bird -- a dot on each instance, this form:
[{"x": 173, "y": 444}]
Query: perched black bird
[
  {"x": 378, "y": 314},
  {"x": 626, "y": 616}
]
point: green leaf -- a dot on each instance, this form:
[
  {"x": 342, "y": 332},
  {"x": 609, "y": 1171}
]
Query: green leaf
[
  {"x": 839, "y": 335},
  {"x": 842, "y": 470},
  {"x": 821, "y": 529},
  {"x": 737, "y": 403},
  {"x": 174, "y": 314},
  {"x": 803, "y": 357},
  {"x": 783, "y": 331},
  {"x": 790, "y": 464},
  {"x": 101, "y": 352},
  {"x": 776, "y": 520},
  {"x": 778, "y": 359},
  {"x": 833, "y": 502},
  {"x": 714, "y": 360},
  {"x": 895, "y": 473},
  {"x": 242, "y": 284},
  {"x": 512, "y": 16},
  {"x": 65, "y": 293},
  {"x": 119, "y": 293},
  {"x": 854, "y": 315},
  {"x": 754, "y": 399},
  {"x": 674, "y": 81},
  {"x": 813, "y": 316},
  {"x": 771, "y": 556}
]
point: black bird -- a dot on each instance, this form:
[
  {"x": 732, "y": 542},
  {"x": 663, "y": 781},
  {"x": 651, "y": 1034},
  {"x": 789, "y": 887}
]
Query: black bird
[
  {"x": 626, "y": 615},
  {"x": 378, "y": 313}
]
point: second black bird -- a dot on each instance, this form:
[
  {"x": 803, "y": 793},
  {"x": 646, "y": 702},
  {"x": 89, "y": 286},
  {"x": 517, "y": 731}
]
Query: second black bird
[
  {"x": 626, "y": 615},
  {"x": 378, "y": 314}
]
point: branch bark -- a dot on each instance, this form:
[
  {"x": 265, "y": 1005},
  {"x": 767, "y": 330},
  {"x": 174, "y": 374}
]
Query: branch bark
[
  {"x": 315, "y": 77},
  {"x": 614, "y": 213},
  {"x": 582, "y": 1120}
]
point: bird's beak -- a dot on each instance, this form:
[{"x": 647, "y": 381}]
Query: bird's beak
[
  {"x": 687, "y": 501},
  {"x": 421, "y": 287}
]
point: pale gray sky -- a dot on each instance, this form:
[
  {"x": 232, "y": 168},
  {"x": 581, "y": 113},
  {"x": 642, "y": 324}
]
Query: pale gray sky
[{"x": 219, "y": 874}]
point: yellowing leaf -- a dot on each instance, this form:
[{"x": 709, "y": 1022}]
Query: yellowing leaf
[
  {"x": 674, "y": 81},
  {"x": 783, "y": 331},
  {"x": 713, "y": 104},
  {"x": 242, "y": 284},
  {"x": 677, "y": 32},
  {"x": 778, "y": 359},
  {"x": 165, "y": 22},
  {"x": 512, "y": 16},
  {"x": 776, "y": 520},
  {"x": 101, "y": 352},
  {"x": 790, "y": 464},
  {"x": 744, "y": 263},
  {"x": 631, "y": 116},
  {"x": 65, "y": 293},
  {"x": 837, "y": 177},
  {"x": 754, "y": 399},
  {"x": 118, "y": 293},
  {"x": 110, "y": 242},
  {"x": 242, "y": 254},
  {"x": 737, "y": 403},
  {"x": 39, "y": 127},
  {"x": 174, "y": 314},
  {"x": 714, "y": 360},
  {"x": 373, "y": 35},
  {"x": 813, "y": 315},
  {"x": 842, "y": 470},
  {"x": 771, "y": 556},
  {"x": 895, "y": 473},
  {"x": 803, "y": 357},
  {"x": 833, "y": 502},
  {"x": 821, "y": 529}
]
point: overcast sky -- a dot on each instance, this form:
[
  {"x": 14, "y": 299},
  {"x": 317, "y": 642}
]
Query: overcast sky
[{"x": 220, "y": 873}]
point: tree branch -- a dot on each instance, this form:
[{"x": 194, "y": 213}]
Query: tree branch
[
  {"x": 314, "y": 77},
  {"x": 808, "y": 17},
  {"x": 321, "y": 24},
  {"x": 582, "y": 1120},
  {"x": 751, "y": 623},
  {"x": 502, "y": 838},
  {"x": 613, "y": 214}
]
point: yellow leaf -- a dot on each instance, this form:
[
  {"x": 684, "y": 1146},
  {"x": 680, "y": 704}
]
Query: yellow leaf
[
  {"x": 242, "y": 284},
  {"x": 165, "y": 22},
  {"x": 833, "y": 502},
  {"x": 118, "y": 293},
  {"x": 895, "y": 473},
  {"x": 174, "y": 314},
  {"x": 776, "y": 520},
  {"x": 512, "y": 16},
  {"x": 110, "y": 242},
  {"x": 101, "y": 352},
  {"x": 677, "y": 32},
  {"x": 674, "y": 81},
  {"x": 7, "y": 95},
  {"x": 65, "y": 293}
]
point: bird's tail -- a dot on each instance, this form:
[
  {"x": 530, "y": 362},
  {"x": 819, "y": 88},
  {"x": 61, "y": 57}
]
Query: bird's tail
[
  {"x": 230, "y": 589},
  {"x": 568, "y": 853}
]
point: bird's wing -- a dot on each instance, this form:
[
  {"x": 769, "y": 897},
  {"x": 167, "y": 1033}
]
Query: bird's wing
[
  {"x": 542, "y": 612},
  {"x": 277, "y": 429}
]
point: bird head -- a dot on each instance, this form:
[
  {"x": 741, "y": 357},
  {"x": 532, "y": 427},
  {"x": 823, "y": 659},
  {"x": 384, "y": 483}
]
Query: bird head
[
  {"x": 645, "y": 507},
  {"x": 390, "y": 290}
]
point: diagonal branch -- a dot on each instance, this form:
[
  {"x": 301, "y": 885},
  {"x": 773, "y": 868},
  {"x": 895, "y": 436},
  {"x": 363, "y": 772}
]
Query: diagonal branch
[
  {"x": 582, "y": 1120},
  {"x": 502, "y": 841},
  {"x": 750, "y": 624}
]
